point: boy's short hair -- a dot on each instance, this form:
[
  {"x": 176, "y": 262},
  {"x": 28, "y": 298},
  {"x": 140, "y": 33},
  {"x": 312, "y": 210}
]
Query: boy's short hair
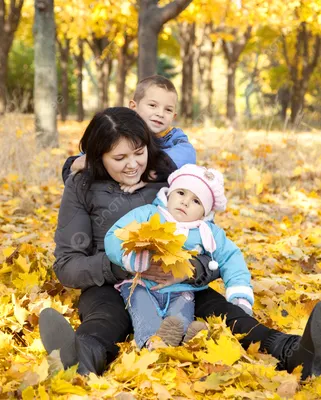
[{"x": 156, "y": 80}]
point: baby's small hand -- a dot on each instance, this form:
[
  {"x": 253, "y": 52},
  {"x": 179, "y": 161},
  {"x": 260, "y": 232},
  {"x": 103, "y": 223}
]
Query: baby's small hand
[
  {"x": 132, "y": 188},
  {"x": 78, "y": 164}
]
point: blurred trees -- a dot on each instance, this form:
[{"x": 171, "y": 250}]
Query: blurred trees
[
  {"x": 151, "y": 20},
  {"x": 9, "y": 20},
  {"x": 227, "y": 57}
]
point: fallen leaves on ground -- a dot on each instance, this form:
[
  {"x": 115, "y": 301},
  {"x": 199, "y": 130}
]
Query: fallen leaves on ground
[{"x": 274, "y": 217}]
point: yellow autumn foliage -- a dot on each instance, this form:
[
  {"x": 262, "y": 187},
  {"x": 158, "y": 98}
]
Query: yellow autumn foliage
[
  {"x": 160, "y": 239},
  {"x": 273, "y": 215}
]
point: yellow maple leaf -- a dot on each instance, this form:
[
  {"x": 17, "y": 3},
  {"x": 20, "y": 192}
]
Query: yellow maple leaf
[
  {"x": 43, "y": 395},
  {"x": 226, "y": 351},
  {"x": 28, "y": 393},
  {"x": 8, "y": 251},
  {"x": 22, "y": 263},
  {"x": 215, "y": 381},
  {"x": 160, "y": 239},
  {"x": 20, "y": 313},
  {"x": 27, "y": 282}
]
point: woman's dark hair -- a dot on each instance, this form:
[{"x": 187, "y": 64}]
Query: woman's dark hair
[{"x": 104, "y": 132}]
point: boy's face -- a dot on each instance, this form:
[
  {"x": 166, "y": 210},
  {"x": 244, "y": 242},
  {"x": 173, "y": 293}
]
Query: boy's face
[
  {"x": 157, "y": 108},
  {"x": 184, "y": 206}
]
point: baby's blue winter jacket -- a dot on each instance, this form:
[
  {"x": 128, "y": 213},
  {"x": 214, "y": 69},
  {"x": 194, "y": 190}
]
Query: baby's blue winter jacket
[{"x": 231, "y": 263}]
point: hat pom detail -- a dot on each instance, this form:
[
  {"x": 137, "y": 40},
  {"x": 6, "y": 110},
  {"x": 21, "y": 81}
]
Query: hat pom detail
[{"x": 213, "y": 265}]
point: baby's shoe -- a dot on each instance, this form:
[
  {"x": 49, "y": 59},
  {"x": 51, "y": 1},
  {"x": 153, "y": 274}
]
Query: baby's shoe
[
  {"x": 171, "y": 331},
  {"x": 193, "y": 329}
]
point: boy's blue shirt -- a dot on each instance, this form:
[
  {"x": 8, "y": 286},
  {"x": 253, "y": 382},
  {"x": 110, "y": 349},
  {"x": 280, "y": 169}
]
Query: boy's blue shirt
[
  {"x": 176, "y": 145},
  {"x": 232, "y": 266}
]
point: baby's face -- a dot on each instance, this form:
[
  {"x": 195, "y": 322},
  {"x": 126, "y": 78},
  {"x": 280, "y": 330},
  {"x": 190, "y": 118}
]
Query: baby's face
[
  {"x": 157, "y": 108},
  {"x": 184, "y": 206}
]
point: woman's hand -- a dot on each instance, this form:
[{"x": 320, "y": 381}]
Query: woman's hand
[
  {"x": 132, "y": 188},
  {"x": 155, "y": 273},
  {"x": 169, "y": 282}
]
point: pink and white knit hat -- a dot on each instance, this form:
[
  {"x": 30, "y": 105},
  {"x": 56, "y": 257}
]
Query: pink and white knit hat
[{"x": 206, "y": 183}]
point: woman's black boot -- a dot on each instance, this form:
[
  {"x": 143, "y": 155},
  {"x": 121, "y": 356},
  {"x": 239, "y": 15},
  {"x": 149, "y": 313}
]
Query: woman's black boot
[
  {"x": 293, "y": 350},
  {"x": 91, "y": 354},
  {"x": 57, "y": 334}
]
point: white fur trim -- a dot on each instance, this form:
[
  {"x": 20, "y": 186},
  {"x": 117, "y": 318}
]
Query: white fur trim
[
  {"x": 246, "y": 290},
  {"x": 199, "y": 249},
  {"x": 209, "y": 217},
  {"x": 162, "y": 195}
]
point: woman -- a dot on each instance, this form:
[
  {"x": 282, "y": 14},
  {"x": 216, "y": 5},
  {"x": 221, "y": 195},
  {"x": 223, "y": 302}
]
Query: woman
[{"x": 121, "y": 150}]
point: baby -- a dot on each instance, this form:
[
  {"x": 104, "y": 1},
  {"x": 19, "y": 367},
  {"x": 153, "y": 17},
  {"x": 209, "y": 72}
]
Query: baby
[{"x": 193, "y": 195}]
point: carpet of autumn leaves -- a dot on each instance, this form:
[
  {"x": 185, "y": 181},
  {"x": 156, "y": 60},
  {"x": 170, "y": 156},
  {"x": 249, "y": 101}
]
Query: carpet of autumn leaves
[{"x": 273, "y": 184}]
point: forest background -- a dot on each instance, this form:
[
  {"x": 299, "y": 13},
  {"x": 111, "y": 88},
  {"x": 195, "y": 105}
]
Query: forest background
[{"x": 248, "y": 77}]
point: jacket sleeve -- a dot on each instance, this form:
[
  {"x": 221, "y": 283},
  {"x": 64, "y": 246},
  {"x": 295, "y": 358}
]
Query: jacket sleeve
[
  {"x": 113, "y": 245},
  {"x": 202, "y": 274},
  {"x": 181, "y": 150},
  {"x": 232, "y": 267},
  {"x": 66, "y": 167},
  {"x": 78, "y": 264}
]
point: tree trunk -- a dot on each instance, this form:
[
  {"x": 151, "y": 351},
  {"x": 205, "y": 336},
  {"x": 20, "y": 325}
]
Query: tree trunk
[
  {"x": 205, "y": 67},
  {"x": 147, "y": 48},
  {"x": 121, "y": 78},
  {"x": 233, "y": 51},
  {"x": 124, "y": 62},
  {"x": 284, "y": 99},
  {"x": 3, "y": 79},
  {"x": 9, "y": 21},
  {"x": 151, "y": 20},
  {"x": 103, "y": 75},
  {"x": 301, "y": 66},
  {"x": 80, "y": 63},
  {"x": 45, "y": 88},
  {"x": 64, "y": 49},
  {"x": 187, "y": 40},
  {"x": 103, "y": 61},
  {"x": 230, "y": 100},
  {"x": 297, "y": 104}
]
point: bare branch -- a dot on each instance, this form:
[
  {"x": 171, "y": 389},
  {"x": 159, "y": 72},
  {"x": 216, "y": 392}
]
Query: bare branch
[
  {"x": 316, "y": 55},
  {"x": 285, "y": 51},
  {"x": 240, "y": 46},
  {"x": 14, "y": 16},
  {"x": 305, "y": 43},
  {"x": 172, "y": 9},
  {"x": 228, "y": 50}
]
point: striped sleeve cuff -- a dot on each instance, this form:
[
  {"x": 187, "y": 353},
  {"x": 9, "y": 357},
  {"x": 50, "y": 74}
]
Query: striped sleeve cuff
[
  {"x": 127, "y": 261},
  {"x": 141, "y": 261},
  {"x": 240, "y": 292}
]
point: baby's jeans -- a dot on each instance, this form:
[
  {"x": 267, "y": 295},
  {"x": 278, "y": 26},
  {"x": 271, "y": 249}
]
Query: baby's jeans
[{"x": 143, "y": 310}]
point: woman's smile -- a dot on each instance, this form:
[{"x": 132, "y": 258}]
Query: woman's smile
[{"x": 126, "y": 163}]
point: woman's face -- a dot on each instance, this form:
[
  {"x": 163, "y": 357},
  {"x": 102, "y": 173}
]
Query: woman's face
[{"x": 125, "y": 163}]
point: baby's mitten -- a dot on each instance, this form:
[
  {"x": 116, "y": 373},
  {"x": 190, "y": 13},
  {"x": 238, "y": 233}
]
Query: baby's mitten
[{"x": 244, "y": 304}]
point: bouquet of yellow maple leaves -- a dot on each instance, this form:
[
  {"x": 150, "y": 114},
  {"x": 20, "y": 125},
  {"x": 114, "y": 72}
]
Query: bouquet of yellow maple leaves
[{"x": 160, "y": 239}]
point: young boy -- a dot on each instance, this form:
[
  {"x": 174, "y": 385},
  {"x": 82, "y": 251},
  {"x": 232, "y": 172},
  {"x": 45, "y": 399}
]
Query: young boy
[{"x": 155, "y": 100}]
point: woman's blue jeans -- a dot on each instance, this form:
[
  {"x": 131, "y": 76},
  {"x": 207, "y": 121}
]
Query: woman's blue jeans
[{"x": 145, "y": 317}]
